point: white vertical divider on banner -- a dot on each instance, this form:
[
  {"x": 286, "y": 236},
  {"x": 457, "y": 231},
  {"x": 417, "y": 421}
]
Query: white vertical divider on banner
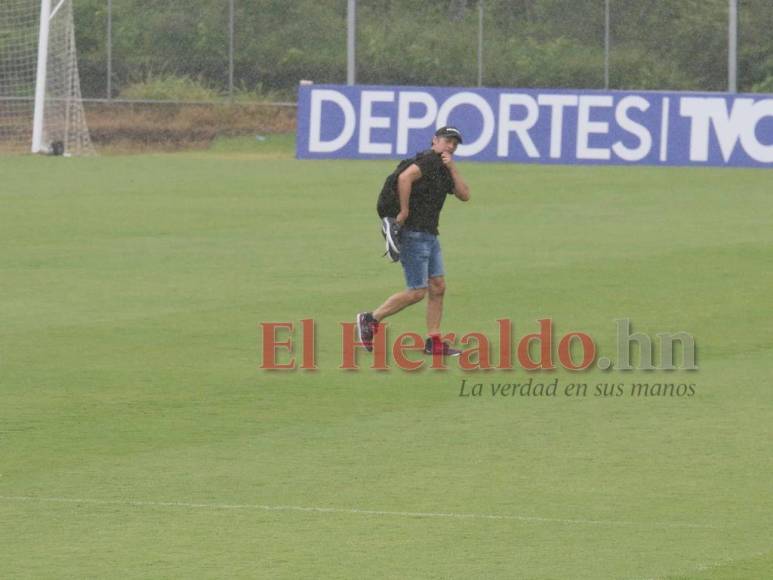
[{"x": 666, "y": 111}]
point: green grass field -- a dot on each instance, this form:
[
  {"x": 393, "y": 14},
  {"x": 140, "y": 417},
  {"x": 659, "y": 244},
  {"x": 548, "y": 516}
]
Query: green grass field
[{"x": 140, "y": 439}]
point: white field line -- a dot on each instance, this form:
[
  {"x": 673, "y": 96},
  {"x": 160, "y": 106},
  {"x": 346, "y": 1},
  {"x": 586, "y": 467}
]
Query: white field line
[
  {"x": 708, "y": 566},
  {"x": 355, "y": 511}
]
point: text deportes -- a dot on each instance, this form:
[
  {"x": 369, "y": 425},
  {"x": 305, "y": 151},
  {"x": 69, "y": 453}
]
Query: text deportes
[{"x": 589, "y": 127}]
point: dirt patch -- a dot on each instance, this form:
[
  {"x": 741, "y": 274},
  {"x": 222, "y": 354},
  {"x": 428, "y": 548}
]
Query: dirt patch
[{"x": 170, "y": 127}]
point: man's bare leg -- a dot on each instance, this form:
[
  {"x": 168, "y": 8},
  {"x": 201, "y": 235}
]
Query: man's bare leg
[
  {"x": 397, "y": 302},
  {"x": 437, "y": 288}
]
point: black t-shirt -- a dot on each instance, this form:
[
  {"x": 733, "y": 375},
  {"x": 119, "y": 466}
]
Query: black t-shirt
[{"x": 428, "y": 193}]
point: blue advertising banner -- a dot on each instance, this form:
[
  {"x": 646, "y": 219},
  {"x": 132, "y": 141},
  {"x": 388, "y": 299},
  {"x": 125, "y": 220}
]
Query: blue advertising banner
[{"x": 538, "y": 126}]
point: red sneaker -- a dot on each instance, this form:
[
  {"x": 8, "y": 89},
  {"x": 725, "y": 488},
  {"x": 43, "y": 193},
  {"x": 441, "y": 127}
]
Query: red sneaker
[
  {"x": 367, "y": 326},
  {"x": 434, "y": 346}
]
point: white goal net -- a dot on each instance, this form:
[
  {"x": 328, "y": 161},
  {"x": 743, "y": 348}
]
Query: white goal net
[{"x": 55, "y": 121}]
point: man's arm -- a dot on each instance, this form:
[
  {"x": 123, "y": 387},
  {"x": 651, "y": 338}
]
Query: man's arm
[
  {"x": 405, "y": 183},
  {"x": 461, "y": 189}
]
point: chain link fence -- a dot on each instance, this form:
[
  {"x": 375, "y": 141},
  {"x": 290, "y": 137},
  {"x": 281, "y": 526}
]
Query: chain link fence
[
  {"x": 172, "y": 71},
  {"x": 205, "y": 50}
]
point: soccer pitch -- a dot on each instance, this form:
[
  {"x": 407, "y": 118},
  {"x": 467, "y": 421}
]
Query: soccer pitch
[{"x": 140, "y": 439}]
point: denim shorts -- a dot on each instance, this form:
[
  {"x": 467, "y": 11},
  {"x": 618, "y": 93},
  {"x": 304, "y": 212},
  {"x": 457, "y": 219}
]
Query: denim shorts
[{"x": 421, "y": 258}]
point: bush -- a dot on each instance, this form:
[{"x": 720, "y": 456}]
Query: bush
[
  {"x": 169, "y": 88},
  {"x": 765, "y": 86}
]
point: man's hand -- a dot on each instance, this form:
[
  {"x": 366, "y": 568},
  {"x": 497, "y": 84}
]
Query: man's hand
[
  {"x": 401, "y": 217},
  {"x": 448, "y": 159}
]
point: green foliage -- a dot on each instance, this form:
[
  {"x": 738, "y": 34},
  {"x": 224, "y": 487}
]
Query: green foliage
[
  {"x": 169, "y": 87},
  {"x": 765, "y": 86}
]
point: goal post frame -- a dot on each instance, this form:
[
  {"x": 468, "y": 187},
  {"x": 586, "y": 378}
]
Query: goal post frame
[
  {"x": 58, "y": 119},
  {"x": 40, "y": 80}
]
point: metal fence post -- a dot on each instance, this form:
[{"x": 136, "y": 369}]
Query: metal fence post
[
  {"x": 351, "y": 25},
  {"x": 231, "y": 49},
  {"x": 606, "y": 45},
  {"x": 732, "y": 46},
  {"x": 109, "y": 49},
  {"x": 480, "y": 43}
]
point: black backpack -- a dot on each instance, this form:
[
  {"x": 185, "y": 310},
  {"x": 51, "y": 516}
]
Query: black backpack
[{"x": 388, "y": 201}]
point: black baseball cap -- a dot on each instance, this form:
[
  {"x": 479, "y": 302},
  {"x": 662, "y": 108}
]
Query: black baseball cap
[{"x": 449, "y": 132}]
